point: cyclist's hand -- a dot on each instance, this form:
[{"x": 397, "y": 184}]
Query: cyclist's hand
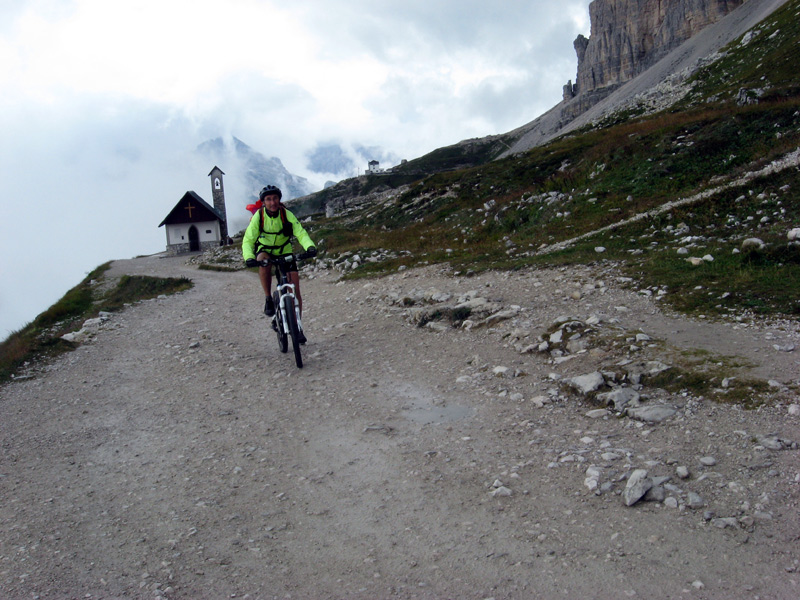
[
  {"x": 251, "y": 262},
  {"x": 311, "y": 252}
]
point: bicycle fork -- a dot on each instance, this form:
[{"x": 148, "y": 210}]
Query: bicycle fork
[{"x": 287, "y": 290}]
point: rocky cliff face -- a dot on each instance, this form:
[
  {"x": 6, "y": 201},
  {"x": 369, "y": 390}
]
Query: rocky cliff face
[
  {"x": 628, "y": 36},
  {"x": 622, "y": 59}
]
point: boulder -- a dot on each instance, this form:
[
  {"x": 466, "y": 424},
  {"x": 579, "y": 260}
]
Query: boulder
[
  {"x": 638, "y": 485},
  {"x": 621, "y": 398},
  {"x": 753, "y": 244},
  {"x": 652, "y": 414},
  {"x": 642, "y": 369},
  {"x": 588, "y": 383}
]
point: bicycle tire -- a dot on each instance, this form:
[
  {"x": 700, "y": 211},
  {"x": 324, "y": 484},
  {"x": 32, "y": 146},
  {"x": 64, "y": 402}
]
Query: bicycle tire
[
  {"x": 294, "y": 331},
  {"x": 283, "y": 342}
]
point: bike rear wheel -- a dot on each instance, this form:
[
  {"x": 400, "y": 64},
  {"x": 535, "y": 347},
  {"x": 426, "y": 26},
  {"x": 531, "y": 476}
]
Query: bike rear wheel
[
  {"x": 294, "y": 331},
  {"x": 283, "y": 342}
]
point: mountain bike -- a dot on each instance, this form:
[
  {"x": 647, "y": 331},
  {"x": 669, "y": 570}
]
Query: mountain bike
[{"x": 286, "y": 322}]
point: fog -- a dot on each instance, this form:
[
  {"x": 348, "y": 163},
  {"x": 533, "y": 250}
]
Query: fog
[{"x": 104, "y": 104}]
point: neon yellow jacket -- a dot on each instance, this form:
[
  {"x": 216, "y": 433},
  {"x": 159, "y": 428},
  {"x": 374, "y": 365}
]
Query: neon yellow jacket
[{"x": 271, "y": 238}]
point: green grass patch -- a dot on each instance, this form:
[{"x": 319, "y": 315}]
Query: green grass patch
[
  {"x": 213, "y": 267},
  {"x": 698, "y": 372},
  {"x": 76, "y": 303},
  {"x": 748, "y": 393},
  {"x": 133, "y": 288}
]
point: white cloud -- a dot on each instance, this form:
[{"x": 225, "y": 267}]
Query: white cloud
[{"x": 103, "y": 103}]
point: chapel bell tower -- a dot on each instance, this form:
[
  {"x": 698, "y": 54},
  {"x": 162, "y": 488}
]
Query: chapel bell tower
[{"x": 218, "y": 193}]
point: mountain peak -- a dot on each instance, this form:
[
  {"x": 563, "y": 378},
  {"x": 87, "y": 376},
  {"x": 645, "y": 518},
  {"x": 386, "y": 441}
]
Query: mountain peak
[{"x": 255, "y": 168}]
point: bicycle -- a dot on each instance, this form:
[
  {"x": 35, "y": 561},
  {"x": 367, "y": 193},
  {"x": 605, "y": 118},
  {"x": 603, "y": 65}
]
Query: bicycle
[{"x": 286, "y": 322}]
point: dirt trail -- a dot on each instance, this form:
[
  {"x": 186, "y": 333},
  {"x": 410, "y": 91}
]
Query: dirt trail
[{"x": 180, "y": 455}]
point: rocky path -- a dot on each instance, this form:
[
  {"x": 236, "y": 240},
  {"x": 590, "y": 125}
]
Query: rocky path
[{"x": 178, "y": 454}]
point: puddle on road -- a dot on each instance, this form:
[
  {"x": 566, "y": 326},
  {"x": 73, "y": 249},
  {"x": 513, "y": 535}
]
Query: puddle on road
[
  {"x": 431, "y": 415},
  {"x": 421, "y": 405}
]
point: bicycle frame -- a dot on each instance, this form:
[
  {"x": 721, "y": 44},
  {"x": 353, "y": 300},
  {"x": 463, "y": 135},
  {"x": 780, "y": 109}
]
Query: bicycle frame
[{"x": 284, "y": 323}]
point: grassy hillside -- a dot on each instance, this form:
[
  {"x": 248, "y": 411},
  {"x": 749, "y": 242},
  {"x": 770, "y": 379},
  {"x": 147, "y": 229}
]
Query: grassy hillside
[
  {"x": 41, "y": 339},
  {"x": 740, "y": 114}
]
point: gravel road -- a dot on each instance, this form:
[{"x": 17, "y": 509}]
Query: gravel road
[{"x": 178, "y": 454}]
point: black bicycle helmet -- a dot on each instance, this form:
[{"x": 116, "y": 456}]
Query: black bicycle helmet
[{"x": 269, "y": 190}]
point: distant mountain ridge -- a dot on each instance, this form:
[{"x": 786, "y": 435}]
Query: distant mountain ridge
[{"x": 258, "y": 170}]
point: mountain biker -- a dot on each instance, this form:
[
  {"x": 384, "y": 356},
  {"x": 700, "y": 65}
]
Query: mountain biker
[{"x": 270, "y": 233}]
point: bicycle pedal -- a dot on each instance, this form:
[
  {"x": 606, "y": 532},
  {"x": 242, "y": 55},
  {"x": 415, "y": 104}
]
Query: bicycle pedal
[{"x": 274, "y": 325}]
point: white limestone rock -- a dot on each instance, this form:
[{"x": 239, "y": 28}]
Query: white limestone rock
[
  {"x": 753, "y": 244},
  {"x": 655, "y": 413},
  {"x": 621, "y": 398},
  {"x": 637, "y": 486},
  {"x": 588, "y": 383}
]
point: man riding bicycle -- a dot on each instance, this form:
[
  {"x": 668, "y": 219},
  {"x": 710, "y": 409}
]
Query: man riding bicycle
[{"x": 270, "y": 233}]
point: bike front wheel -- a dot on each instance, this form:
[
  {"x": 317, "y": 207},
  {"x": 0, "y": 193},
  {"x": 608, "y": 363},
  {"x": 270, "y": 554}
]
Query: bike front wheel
[
  {"x": 294, "y": 331},
  {"x": 280, "y": 326}
]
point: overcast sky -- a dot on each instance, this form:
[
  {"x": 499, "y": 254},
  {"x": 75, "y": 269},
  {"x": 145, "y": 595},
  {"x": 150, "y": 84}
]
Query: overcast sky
[{"x": 104, "y": 102}]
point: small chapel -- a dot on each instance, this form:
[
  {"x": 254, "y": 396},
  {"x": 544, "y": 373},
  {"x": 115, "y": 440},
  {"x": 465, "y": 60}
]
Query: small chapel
[{"x": 193, "y": 225}]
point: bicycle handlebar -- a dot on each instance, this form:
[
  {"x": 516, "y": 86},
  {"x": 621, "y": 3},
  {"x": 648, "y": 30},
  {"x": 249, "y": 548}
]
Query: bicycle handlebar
[{"x": 286, "y": 258}]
